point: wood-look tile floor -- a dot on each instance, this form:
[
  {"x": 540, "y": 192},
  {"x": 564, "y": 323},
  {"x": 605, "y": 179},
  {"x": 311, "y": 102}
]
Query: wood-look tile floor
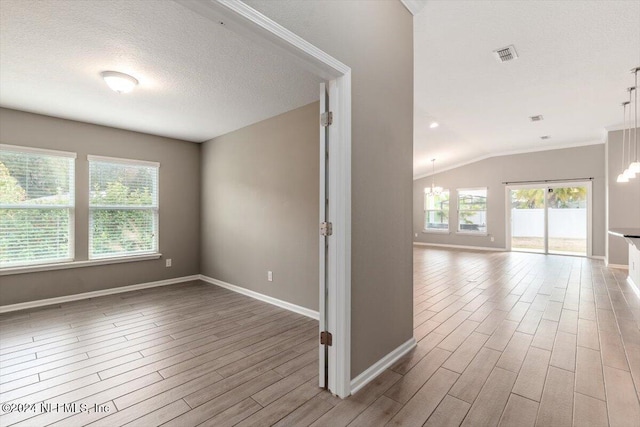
[{"x": 503, "y": 339}]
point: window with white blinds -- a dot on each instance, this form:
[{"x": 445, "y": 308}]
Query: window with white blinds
[
  {"x": 37, "y": 199},
  {"x": 123, "y": 207}
]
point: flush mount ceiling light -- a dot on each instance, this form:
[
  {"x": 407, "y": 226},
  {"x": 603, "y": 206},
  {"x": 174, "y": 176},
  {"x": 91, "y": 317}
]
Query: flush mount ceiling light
[
  {"x": 119, "y": 82},
  {"x": 434, "y": 125}
]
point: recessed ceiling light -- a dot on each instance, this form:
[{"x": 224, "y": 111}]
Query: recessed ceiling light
[
  {"x": 537, "y": 118},
  {"x": 545, "y": 137},
  {"x": 119, "y": 82},
  {"x": 434, "y": 125}
]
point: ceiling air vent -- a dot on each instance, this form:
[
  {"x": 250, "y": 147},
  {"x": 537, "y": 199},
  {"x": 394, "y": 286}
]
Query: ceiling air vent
[
  {"x": 545, "y": 137},
  {"x": 506, "y": 53},
  {"x": 537, "y": 118}
]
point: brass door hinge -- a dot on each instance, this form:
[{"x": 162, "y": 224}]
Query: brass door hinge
[{"x": 326, "y": 338}]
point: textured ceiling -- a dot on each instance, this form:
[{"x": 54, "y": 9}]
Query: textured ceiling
[
  {"x": 573, "y": 68},
  {"x": 197, "y": 79}
]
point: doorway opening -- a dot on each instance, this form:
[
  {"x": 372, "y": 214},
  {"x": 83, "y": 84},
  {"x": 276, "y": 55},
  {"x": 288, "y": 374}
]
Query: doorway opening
[
  {"x": 335, "y": 191},
  {"x": 550, "y": 218}
]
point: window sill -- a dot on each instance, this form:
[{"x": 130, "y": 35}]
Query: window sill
[
  {"x": 435, "y": 231},
  {"x": 473, "y": 233},
  {"x": 76, "y": 264}
]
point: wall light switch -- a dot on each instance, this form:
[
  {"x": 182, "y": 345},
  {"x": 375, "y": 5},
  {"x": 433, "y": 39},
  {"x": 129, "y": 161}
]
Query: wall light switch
[
  {"x": 416, "y": 234},
  {"x": 270, "y": 276}
]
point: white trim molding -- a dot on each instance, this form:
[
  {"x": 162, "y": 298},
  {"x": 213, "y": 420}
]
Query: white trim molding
[
  {"x": 95, "y": 294},
  {"x": 475, "y": 248},
  {"x": 261, "y": 297},
  {"x": 244, "y": 20},
  {"x": 76, "y": 264},
  {"x": 635, "y": 288},
  {"x": 34, "y": 150},
  {"x": 414, "y": 6},
  {"x": 377, "y": 368},
  {"x": 248, "y": 22},
  {"x": 122, "y": 161},
  {"x": 510, "y": 153},
  {"x": 618, "y": 266}
]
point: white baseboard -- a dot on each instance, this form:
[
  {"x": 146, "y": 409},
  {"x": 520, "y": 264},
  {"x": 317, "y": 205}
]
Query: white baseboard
[
  {"x": 94, "y": 294},
  {"x": 377, "y": 368},
  {"x": 619, "y": 266},
  {"x": 475, "y": 248},
  {"x": 277, "y": 302},
  {"x": 634, "y": 287}
]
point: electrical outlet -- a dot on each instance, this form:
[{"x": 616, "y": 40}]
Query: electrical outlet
[
  {"x": 167, "y": 262},
  {"x": 493, "y": 239},
  {"x": 270, "y": 276},
  {"x": 416, "y": 235}
]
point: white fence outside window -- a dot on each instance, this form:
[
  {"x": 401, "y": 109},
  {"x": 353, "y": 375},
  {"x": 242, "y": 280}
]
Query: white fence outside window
[{"x": 564, "y": 223}]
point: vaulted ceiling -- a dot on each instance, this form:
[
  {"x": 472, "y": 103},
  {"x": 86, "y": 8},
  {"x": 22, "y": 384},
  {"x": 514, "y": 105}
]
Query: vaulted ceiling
[
  {"x": 573, "y": 69},
  {"x": 199, "y": 80}
]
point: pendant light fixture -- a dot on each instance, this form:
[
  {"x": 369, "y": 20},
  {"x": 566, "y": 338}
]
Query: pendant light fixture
[
  {"x": 634, "y": 167},
  {"x": 628, "y": 172},
  {"x": 633, "y": 145},
  {"x": 433, "y": 190},
  {"x": 622, "y": 177}
]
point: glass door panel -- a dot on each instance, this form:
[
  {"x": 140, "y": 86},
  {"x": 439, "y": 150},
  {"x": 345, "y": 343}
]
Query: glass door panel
[
  {"x": 528, "y": 219},
  {"x": 567, "y": 220}
]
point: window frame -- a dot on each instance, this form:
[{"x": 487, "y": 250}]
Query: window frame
[
  {"x": 155, "y": 252},
  {"x": 486, "y": 211},
  {"x": 71, "y": 207},
  {"x": 425, "y": 229}
]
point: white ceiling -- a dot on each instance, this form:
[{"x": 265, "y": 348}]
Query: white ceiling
[
  {"x": 197, "y": 79},
  {"x": 573, "y": 68}
]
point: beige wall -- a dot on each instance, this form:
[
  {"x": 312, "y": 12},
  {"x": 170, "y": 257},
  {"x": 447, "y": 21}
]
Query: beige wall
[
  {"x": 260, "y": 207},
  {"x": 375, "y": 39},
  {"x": 623, "y": 201},
  {"x": 179, "y": 204},
  {"x": 579, "y": 162}
]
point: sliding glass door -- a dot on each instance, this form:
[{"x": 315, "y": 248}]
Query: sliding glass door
[
  {"x": 528, "y": 220},
  {"x": 550, "y": 219},
  {"x": 567, "y": 220}
]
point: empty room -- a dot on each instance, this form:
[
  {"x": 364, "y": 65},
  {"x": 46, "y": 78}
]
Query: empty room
[{"x": 328, "y": 213}]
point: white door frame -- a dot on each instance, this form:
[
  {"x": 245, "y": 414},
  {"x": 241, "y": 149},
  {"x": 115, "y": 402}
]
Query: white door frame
[
  {"x": 246, "y": 21},
  {"x": 546, "y": 186}
]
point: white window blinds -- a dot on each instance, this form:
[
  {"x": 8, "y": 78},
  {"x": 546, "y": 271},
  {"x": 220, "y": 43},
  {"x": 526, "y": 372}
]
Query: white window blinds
[
  {"x": 123, "y": 204},
  {"x": 37, "y": 199}
]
